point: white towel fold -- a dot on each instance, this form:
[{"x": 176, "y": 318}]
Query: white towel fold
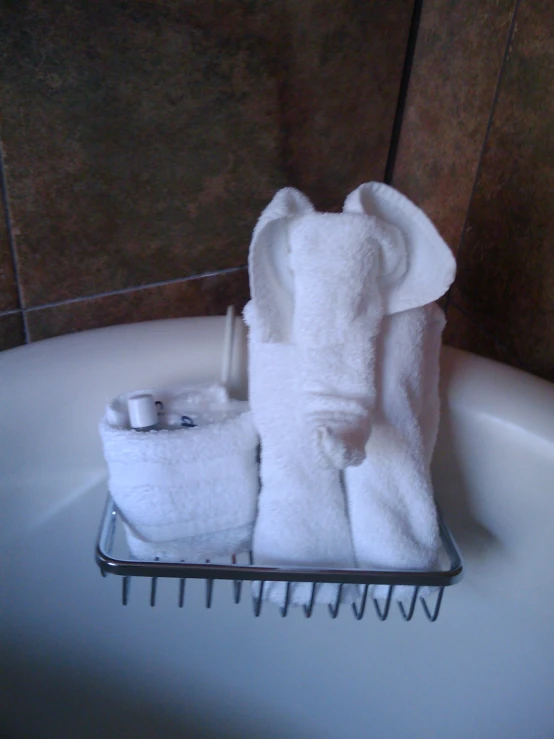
[
  {"x": 218, "y": 545},
  {"x": 336, "y": 304},
  {"x": 185, "y": 493},
  {"x": 336, "y": 262},
  {"x": 390, "y": 495},
  {"x": 301, "y": 513}
]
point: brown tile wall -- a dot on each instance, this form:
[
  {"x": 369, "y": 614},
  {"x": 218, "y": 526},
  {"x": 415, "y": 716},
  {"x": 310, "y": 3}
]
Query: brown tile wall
[
  {"x": 505, "y": 284},
  {"x": 476, "y": 151},
  {"x": 141, "y": 140},
  {"x": 458, "y": 57},
  {"x": 11, "y": 330},
  {"x": 9, "y": 299},
  {"x": 199, "y": 297}
]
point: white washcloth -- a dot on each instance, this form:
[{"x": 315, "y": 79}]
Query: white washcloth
[
  {"x": 302, "y": 514},
  {"x": 185, "y": 493},
  {"x": 390, "y": 495}
]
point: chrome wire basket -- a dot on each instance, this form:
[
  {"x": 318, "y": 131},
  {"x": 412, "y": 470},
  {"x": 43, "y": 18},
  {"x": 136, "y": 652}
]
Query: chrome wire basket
[{"x": 427, "y": 588}]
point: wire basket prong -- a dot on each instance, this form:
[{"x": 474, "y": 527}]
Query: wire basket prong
[
  {"x": 209, "y": 591},
  {"x": 334, "y": 609},
  {"x": 237, "y": 590},
  {"x": 153, "y": 589},
  {"x": 285, "y": 607},
  {"x": 310, "y": 607},
  {"x": 125, "y": 587},
  {"x": 382, "y": 614},
  {"x": 182, "y": 583},
  {"x": 432, "y": 616},
  {"x": 359, "y": 611},
  {"x": 407, "y": 615},
  {"x": 258, "y": 600}
]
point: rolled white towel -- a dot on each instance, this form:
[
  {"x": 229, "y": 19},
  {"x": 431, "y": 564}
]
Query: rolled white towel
[
  {"x": 302, "y": 513},
  {"x": 390, "y": 495},
  {"x": 184, "y": 493}
]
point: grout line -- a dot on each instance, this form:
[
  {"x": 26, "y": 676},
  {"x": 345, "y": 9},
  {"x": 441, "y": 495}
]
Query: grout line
[
  {"x": 10, "y": 312},
  {"x": 126, "y": 290},
  {"x": 486, "y": 137},
  {"x": 11, "y": 242},
  {"x": 403, "y": 91}
]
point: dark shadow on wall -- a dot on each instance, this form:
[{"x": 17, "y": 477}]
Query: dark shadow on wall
[{"x": 505, "y": 272}]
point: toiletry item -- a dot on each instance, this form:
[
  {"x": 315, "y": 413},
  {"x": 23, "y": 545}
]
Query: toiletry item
[{"x": 143, "y": 413}]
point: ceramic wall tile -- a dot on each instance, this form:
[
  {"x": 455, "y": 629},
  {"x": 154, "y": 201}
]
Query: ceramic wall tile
[
  {"x": 143, "y": 139},
  {"x": 506, "y": 264},
  {"x": 11, "y": 331},
  {"x": 204, "y": 296},
  {"x": 458, "y": 57},
  {"x": 140, "y": 144},
  {"x": 8, "y": 288}
]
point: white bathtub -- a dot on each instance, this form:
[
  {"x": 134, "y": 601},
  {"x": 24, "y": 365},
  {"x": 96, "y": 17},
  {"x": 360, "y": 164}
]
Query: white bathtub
[{"x": 75, "y": 663}]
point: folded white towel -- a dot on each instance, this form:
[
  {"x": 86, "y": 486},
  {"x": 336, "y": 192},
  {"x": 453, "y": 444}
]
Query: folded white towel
[
  {"x": 218, "y": 545},
  {"x": 390, "y": 495},
  {"x": 185, "y": 493},
  {"x": 301, "y": 515},
  {"x": 301, "y": 512}
]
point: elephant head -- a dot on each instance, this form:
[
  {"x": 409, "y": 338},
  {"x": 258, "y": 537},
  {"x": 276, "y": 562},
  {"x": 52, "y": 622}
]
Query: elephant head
[{"x": 325, "y": 281}]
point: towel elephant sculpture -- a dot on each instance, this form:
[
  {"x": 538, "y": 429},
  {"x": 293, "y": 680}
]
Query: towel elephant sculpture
[{"x": 344, "y": 362}]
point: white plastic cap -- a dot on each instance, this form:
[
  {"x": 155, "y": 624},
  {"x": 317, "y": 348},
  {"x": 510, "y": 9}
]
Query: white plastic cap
[{"x": 142, "y": 411}]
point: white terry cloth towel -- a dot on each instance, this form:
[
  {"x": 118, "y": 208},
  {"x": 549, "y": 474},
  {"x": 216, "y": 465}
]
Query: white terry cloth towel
[
  {"x": 390, "y": 495},
  {"x": 185, "y": 494},
  {"x": 348, "y": 270},
  {"x": 302, "y": 517}
]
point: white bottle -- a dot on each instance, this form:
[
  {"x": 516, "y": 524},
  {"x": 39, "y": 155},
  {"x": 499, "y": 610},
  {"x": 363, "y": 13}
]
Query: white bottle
[{"x": 143, "y": 413}]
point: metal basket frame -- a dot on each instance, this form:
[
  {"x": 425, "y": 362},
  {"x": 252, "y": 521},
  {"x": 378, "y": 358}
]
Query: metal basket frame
[{"x": 438, "y": 580}]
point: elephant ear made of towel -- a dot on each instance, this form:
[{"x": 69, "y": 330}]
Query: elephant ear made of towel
[{"x": 322, "y": 286}]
